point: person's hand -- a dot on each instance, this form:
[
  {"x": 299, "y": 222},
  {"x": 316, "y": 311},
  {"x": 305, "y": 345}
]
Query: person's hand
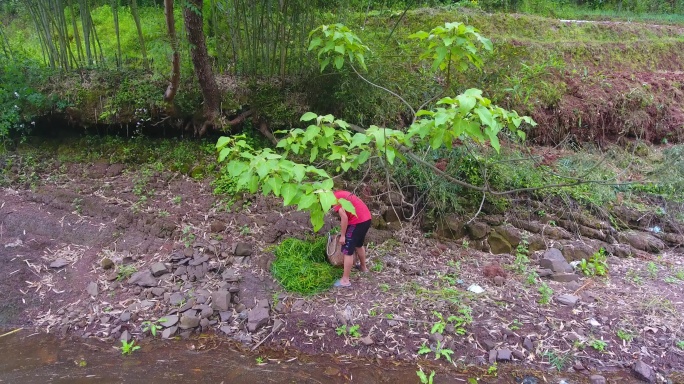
[{"x": 341, "y": 240}]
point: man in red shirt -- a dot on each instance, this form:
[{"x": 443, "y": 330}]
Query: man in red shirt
[{"x": 353, "y": 228}]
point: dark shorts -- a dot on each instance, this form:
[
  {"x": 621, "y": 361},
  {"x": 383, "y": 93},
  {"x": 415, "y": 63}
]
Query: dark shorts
[{"x": 355, "y": 236}]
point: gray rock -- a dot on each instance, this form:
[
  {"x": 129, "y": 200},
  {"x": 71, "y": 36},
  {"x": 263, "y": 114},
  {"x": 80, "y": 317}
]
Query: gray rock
[
  {"x": 367, "y": 341},
  {"x": 243, "y": 249},
  {"x": 230, "y": 276},
  {"x": 107, "y": 263},
  {"x": 59, "y": 263},
  {"x": 578, "y": 251},
  {"x": 528, "y": 344},
  {"x": 436, "y": 337},
  {"x": 169, "y": 321},
  {"x": 158, "y": 291},
  {"x": 489, "y": 344},
  {"x": 543, "y": 272},
  {"x": 510, "y": 233},
  {"x": 503, "y": 355},
  {"x": 492, "y": 356},
  {"x": 240, "y": 308},
  {"x": 220, "y": 300},
  {"x": 125, "y": 316},
  {"x": 143, "y": 279},
  {"x": 257, "y": 318},
  {"x": 559, "y": 266},
  {"x": 125, "y": 336},
  {"x": 200, "y": 299},
  {"x": 263, "y": 303},
  {"x": 204, "y": 323},
  {"x": 477, "y": 230},
  {"x": 499, "y": 281},
  {"x": 225, "y": 316},
  {"x": 567, "y": 299},
  {"x": 189, "y": 321},
  {"x": 498, "y": 244},
  {"x": 217, "y": 226},
  {"x": 597, "y": 379},
  {"x": 278, "y": 325},
  {"x": 205, "y": 311},
  {"x": 643, "y": 372},
  {"x": 226, "y": 329},
  {"x": 158, "y": 269},
  {"x": 518, "y": 355},
  {"x": 564, "y": 277},
  {"x": 92, "y": 289},
  {"x": 643, "y": 241},
  {"x": 169, "y": 332},
  {"x": 176, "y": 298}
]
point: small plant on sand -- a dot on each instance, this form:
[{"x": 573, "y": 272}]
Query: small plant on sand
[
  {"x": 125, "y": 271},
  {"x": 425, "y": 379},
  {"x": 515, "y": 325},
  {"x": 522, "y": 261},
  {"x": 376, "y": 266},
  {"x": 596, "y": 265},
  {"x": 679, "y": 274},
  {"x": 128, "y": 347},
  {"x": 545, "y": 293},
  {"x": 634, "y": 277},
  {"x": 439, "y": 351},
  {"x": 260, "y": 360},
  {"x": 493, "y": 370},
  {"x": 558, "y": 361},
  {"x": 598, "y": 345},
  {"x": 187, "y": 237},
  {"x": 652, "y": 269},
  {"x": 152, "y": 326},
  {"x": 245, "y": 230},
  {"x": 352, "y": 331},
  {"x": 625, "y": 335},
  {"x": 459, "y": 321},
  {"x": 680, "y": 344}
]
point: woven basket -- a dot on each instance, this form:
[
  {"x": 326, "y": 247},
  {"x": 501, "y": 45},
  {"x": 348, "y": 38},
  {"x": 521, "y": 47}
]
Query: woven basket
[{"x": 334, "y": 251}]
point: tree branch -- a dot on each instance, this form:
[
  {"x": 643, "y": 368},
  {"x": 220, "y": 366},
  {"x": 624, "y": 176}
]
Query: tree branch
[{"x": 386, "y": 90}]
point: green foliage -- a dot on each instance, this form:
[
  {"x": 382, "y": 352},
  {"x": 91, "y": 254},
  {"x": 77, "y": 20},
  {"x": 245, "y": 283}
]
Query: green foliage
[
  {"x": 680, "y": 344},
  {"x": 625, "y": 335},
  {"x": 545, "y": 293},
  {"x": 598, "y": 345},
  {"x": 425, "y": 379},
  {"x": 128, "y": 348},
  {"x": 152, "y": 326},
  {"x": 597, "y": 264},
  {"x": 125, "y": 271},
  {"x": 335, "y": 43},
  {"x": 652, "y": 269},
  {"x": 438, "y": 350},
  {"x": 557, "y": 360},
  {"x": 302, "y": 267},
  {"x": 453, "y": 43},
  {"x": 459, "y": 321}
]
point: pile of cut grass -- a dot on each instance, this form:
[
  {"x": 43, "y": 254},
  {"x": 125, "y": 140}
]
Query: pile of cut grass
[{"x": 302, "y": 267}]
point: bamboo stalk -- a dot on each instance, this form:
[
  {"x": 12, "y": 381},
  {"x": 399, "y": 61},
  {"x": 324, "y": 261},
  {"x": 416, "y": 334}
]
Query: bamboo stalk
[{"x": 11, "y": 332}]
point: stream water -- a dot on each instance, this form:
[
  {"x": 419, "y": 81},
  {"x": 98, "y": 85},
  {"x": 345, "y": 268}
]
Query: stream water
[{"x": 27, "y": 357}]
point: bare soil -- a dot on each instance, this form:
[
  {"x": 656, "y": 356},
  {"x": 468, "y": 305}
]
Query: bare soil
[{"x": 82, "y": 214}]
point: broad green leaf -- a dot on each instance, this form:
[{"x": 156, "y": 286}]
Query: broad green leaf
[
  {"x": 299, "y": 171},
  {"x": 340, "y": 49},
  {"x": 253, "y": 184},
  {"x": 306, "y": 201},
  {"x": 275, "y": 183},
  {"x": 222, "y": 155},
  {"x": 327, "y": 199},
  {"x": 316, "y": 217},
  {"x": 485, "y": 116},
  {"x": 222, "y": 141},
  {"x": 308, "y": 116},
  {"x": 325, "y": 63},
  {"x": 339, "y": 62},
  {"x": 419, "y": 35},
  {"x": 362, "y": 157},
  {"x": 289, "y": 191},
  {"x": 390, "y": 155},
  {"x": 314, "y": 154},
  {"x": 358, "y": 139},
  {"x": 327, "y": 184},
  {"x": 466, "y": 103},
  {"x": 315, "y": 42},
  {"x": 494, "y": 141},
  {"x": 345, "y": 166},
  {"x": 347, "y": 205}
]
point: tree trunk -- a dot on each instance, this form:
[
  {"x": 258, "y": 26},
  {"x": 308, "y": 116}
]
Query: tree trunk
[
  {"x": 171, "y": 90},
  {"x": 77, "y": 37},
  {"x": 115, "y": 14},
  {"x": 141, "y": 39},
  {"x": 200, "y": 60}
]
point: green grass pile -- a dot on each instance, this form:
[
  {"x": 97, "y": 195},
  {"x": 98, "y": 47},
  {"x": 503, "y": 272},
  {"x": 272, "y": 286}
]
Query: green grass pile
[{"x": 302, "y": 267}]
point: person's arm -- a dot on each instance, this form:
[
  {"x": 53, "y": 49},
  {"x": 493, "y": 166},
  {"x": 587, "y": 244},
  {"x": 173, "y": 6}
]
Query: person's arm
[{"x": 344, "y": 221}]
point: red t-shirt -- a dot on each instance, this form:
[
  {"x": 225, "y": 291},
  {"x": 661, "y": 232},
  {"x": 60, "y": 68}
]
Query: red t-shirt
[{"x": 362, "y": 212}]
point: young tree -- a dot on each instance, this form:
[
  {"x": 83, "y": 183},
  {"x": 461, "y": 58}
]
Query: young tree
[{"x": 200, "y": 59}]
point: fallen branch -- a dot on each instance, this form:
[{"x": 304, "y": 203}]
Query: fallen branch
[{"x": 11, "y": 332}]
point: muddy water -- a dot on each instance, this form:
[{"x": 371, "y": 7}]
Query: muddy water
[{"x": 39, "y": 358}]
